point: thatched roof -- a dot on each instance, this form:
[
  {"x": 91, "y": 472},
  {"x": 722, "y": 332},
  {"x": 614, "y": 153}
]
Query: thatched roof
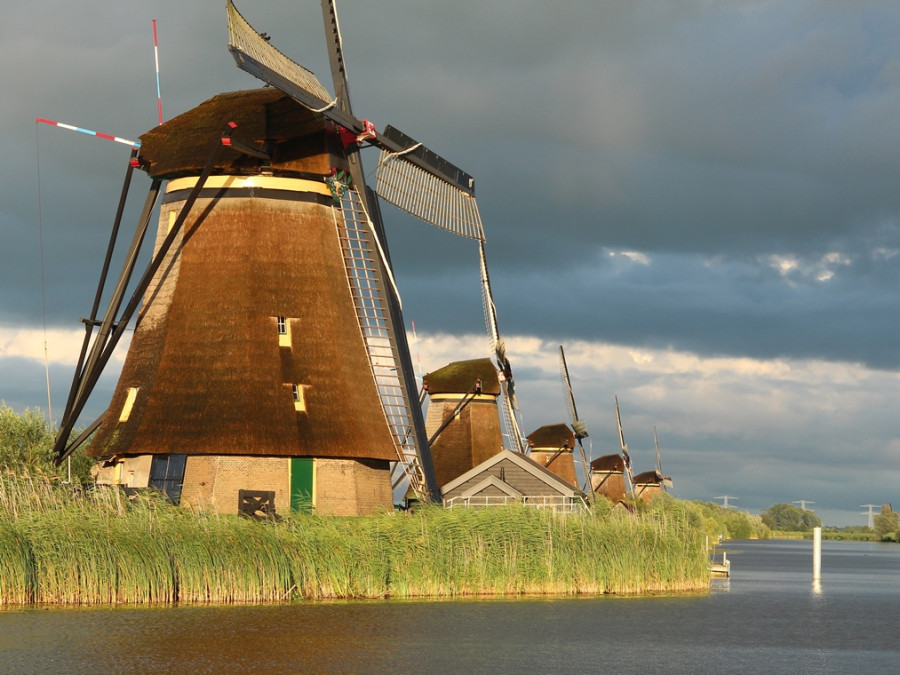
[
  {"x": 459, "y": 376},
  {"x": 649, "y": 478},
  {"x": 264, "y": 117},
  {"x": 552, "y": 436},
  {"x": 608, "y": 463}
]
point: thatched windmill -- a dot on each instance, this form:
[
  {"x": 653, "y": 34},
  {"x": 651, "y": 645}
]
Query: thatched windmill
[
  {"x": 552, "y": 446},
  {"x": 463, "y": 423},
  {"x": 651, "y": 483},
  {"x": 608, "y": 477},
  {"x": 269, "y": 363}
]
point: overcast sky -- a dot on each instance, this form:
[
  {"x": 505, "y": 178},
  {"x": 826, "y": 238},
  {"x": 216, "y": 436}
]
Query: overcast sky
[{"x": 697, "y": 198}]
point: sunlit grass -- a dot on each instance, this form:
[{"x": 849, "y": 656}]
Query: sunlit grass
[{"x": 67, "y": 547}]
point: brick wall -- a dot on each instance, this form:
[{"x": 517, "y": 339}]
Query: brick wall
[
  {"x": 350, "y": 487},
  {"x": 212, "y": 481}
]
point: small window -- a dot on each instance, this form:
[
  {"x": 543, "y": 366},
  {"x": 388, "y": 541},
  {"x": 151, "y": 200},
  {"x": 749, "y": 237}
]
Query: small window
[
  {"x": 129, "y": 404},
  {"x": 299, "y": 397},
  {"x": 284, "y": 331}
]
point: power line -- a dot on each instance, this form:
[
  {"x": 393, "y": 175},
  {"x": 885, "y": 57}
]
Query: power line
[{"x": 871, "y": 513}]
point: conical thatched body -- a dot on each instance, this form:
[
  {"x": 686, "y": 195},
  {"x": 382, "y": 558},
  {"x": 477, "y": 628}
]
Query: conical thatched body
[
  {"x": 552, "y": 446},
  {"x": 608, "y": 477},
  {"x": 247, "y": 357},
  {"x": 463, "y": 396}
]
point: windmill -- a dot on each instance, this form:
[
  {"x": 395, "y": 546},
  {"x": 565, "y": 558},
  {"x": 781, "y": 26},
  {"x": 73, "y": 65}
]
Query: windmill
[
  {"x": 629, "y": 487},
  {"x": 651, "y": 483},
  {"x": 552, "y": 447},
  {"x": 462, "y": 422},
  {"x": 246, "y": 371},
  {"x": 578, "y": 425}
]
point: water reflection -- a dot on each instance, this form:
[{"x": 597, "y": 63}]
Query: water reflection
[{"x": 767, "y": 618}]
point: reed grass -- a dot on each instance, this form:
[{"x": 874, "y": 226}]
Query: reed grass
[{"x": 64, "y": 546}]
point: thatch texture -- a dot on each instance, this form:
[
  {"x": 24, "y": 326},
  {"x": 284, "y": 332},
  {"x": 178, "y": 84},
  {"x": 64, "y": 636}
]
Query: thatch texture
[
  {"x": 552, "y": 437},
  {"x": 205, "y": 356},
  {"x": 551, "y": 447},
  {"x": 648, "y": 484},
  {"x": 264, "y": 117},
  {"x": 459, "y": 377},
  {"x": 613, "y": 462}
]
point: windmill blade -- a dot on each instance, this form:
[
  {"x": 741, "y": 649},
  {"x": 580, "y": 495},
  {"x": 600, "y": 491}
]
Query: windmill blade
[
  {"x": 507, "y": 382},
  {"x": 624, "y": 447},
  {"x": 658, "y": 460},
  {"x": 664, "y": 481},
  {"x": 422, "y": 193},
  {"x": 578, "y": 426},
  {"x": 254, "y": 54}
]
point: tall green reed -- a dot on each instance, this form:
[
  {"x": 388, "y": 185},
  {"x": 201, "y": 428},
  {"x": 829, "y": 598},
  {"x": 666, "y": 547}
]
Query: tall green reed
[{"x": 59, "y": 545}]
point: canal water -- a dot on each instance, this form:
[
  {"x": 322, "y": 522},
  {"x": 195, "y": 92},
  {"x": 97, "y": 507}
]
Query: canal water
[{"x": 768, "y": 618}]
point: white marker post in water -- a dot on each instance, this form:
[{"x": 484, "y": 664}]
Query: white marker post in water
[{"x": 817, "y": 553}]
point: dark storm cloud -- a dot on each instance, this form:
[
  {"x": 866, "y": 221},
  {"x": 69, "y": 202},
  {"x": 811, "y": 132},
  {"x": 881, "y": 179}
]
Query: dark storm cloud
[{"x": 700, "y": 176}]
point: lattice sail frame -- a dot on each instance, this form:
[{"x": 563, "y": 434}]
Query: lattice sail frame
[
  {"x": 246, "y": 39},
  {"x": 427, "y": 197}
]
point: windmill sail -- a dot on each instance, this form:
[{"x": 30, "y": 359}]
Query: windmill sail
[
  {"x": 624, "y": 448},
  {"x": 664, "y": 481},
  {"x": 254, "y": 54},
  {"x": 578, "y": 425},
  {"x": 510, "y": 406},
  {"x": 423, "y": 194}
]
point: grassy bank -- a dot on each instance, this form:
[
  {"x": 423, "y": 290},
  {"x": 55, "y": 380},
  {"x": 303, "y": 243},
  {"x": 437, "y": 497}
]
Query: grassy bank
[{"x": 61, "y": 547}]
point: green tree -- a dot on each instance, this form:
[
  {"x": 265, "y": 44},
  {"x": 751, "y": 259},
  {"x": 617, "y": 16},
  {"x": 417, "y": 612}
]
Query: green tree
[
  {"x": 790, "y": 518},
  {"x": 26, "y": 445},
  {"x": 886, "y": 522}
]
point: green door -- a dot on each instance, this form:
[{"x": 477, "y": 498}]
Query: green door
[{"x": 303, "y": 484}]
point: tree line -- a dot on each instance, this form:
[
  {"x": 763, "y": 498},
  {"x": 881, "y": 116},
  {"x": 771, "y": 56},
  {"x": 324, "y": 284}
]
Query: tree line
[{"x": 26, "y": 446}]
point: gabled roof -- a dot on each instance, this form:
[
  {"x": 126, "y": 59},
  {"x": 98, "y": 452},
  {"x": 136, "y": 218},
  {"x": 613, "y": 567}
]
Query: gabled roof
[
  {"x": 523, "y": 461},
  {"x": 503, "y": 486}
]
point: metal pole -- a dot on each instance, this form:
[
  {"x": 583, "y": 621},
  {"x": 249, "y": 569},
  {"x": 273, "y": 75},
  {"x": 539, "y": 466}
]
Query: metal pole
[{"x": 817, "y": 553}]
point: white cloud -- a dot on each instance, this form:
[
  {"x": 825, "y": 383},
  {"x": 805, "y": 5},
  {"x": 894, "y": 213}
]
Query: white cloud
[
  {"x": 634, "y": 256},
  {"x": 55, "y": 346}
]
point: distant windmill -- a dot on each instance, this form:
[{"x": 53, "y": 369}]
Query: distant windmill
[
  {"x": 803, "y": 503},
  {"x": 578, "y": 425},
  {"x": 725, "y": 499},
  {"x": 629, "y": 487}
]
